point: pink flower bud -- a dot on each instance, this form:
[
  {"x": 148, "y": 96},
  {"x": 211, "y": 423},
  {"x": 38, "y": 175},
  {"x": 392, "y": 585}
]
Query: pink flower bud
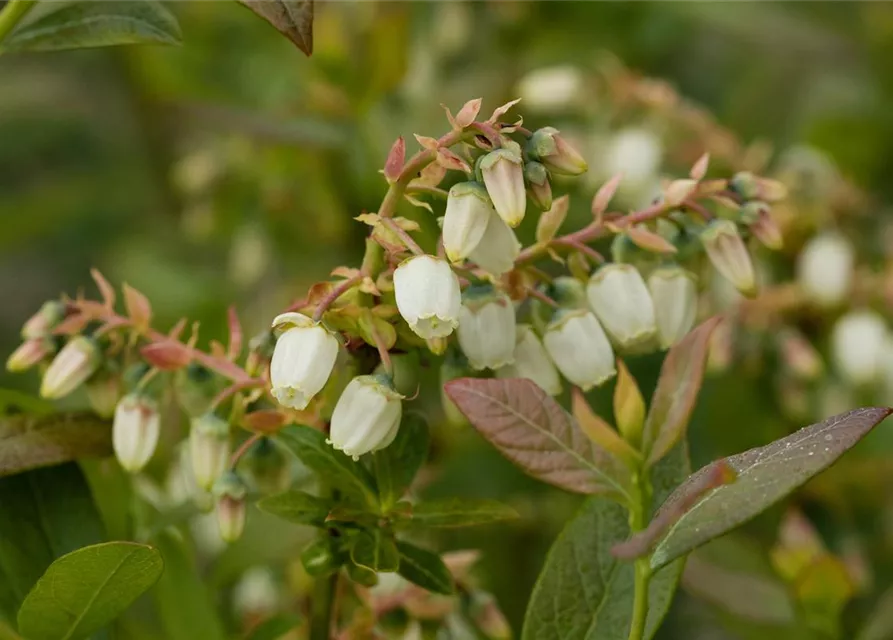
[
  {"x": 549, "y": 147},
  {"x": 78, "y": 360},
  {"x": 729, "y": 256},
  {"x": 230, "y": 492},
  {"x": 28, "y": 354},
  {"x": 44, "y": 321}
]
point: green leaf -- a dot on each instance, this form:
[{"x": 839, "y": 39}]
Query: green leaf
[
  {"x": 338, "y": 470},
  {"x": 765, "y": 476},
  {"x": 298, "y": 507},
  {"x": 14, "y": 402},
  {"x": 28, "y": 442},
  {"x": 533, "y": 431},
  {"x": 44, "y": 514},
  {"x": 425, "y": 569},
  {"x": 583, "y": 591},
  {"x": 396, "y": 465},
  {"x": 292, "y": 18},
  {"x": 677, "y": 390},
  {"x": 376, "y": 550},
  {"x": 86, "y": 589},
  {"x": 75, "y": 25},
  {"x": 275, "y": 628},
  {"x": 457, "y": 512},
  {"x": 879, "y": 625}
]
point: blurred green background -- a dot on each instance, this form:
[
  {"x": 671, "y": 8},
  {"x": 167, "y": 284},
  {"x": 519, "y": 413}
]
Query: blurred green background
[{"x": 227, "y": 171}]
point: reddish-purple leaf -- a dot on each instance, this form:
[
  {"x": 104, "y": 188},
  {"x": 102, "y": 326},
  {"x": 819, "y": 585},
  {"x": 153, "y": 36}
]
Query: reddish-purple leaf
[
  {"x": 676, "y": 392},
  {"x": 105, "y": 289},
  {"x": 450, "y": 160},
  {"x": 292, "y": 18},
  {"x": 167, "y": 355},
  {"x": 468, "y": 112},
  {"x": 533, "y": 431},
  {"x": 649, "y": 241},
  {"x": 139, "y": 309},
  {"x": 604, "y": 194},
  {"x": 765, "y": 476},
  {"x": 396, "y": 157},
  {"x": 699, "y": 168}
]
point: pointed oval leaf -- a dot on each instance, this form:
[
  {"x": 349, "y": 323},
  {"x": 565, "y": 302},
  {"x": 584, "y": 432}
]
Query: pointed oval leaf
[
  {"x": 375, "y": 550},
  {"x": 424, "y": 568},
  {"x": 298, "y": 507},
  {"x": 765, "y": 476},
  {"x": 550, "y": 221},
  {"x": 292, "y": 18},
  {"x": 83, "y": 591},
  {"x": 28, "y": 442},
  {"x": 533, "y": 431},
  {"x": 75, "y": 25},
  {"x": 397, "y": 464},
  {"x": 458, "y": 512}
]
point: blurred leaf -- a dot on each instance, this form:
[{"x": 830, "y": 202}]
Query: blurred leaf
[
  {"x": 424, "y": 568},
  {"x": 14, "y": 402},
  {"x": 458, "y": 512},
  {"x": 44, "y": 514},
  {"x": 292, "y": 18},
  {"x": 534, "y": 432},
  {"x": 75, "y": 25},
  {"x": 112, "y": 490},
  {"x": 677, "y": 390},
  {"x": 396, "y": 465},
  {"x": 823, "y": 590},
  {"x": 765, "y": 476},
  {"x": 276, "y": 627},
  {"x": 28, "y": 442},
  {"x": 551, "y": 220},
  {"x": 298, "y": 507},
  {"x": 583, "y": 591},
  {"x": 338, "y": 470},
  {"x": 86, "y": 589},
  {"x": 375, "y": 550},
  {"x": 879, "y": 625}
]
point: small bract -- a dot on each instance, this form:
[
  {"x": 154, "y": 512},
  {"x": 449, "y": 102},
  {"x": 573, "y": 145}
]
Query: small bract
[
  {"x": 579, "y": 348},
  {"x": 487, "y": 328},
  {"x": 428, "y": 296},
  {"x": 532, "y": 362},
  {"x": 135, "y": 431},
  {"x": 303, "y": 359},
  {"x": 366, "y": 417},
  {"x": 619, "y": 297}
]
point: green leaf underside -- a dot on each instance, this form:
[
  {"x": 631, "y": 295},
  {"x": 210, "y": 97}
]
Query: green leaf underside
[
  {"x": 83, "y": 591},
  {"x": 459, "y": 512},
  {"x": 28, "y": 442},
  {"x": 537, "y": 434},
  {"x": 375, "y": 550},
  {"x": 424, "y": 568},
  {"x": 765, "y": 476},
  {"x": 397, "y": 464},
  {"x": 74, "y": 25},
  {"x": 292, "y": 18},
  {"x": 298, "y": 507},
  {"x": 275, "y": 628},
  {"x": 583, "y": 591}
]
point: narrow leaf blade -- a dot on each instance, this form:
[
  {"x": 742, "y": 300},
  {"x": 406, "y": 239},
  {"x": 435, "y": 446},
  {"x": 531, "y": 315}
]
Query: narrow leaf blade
[
  {"x": 375, "y": 550},
  {"x": 28, "y": 442},
  {"x": 459, "y": 512},
  {"x": 424, "y": 568},
  {"x": 397, "y": 464}
]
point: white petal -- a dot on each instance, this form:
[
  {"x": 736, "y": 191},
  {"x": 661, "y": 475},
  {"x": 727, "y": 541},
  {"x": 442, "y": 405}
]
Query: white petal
[
  {"x": 497, "y": 250},
  {"x": 532, "y": 362},
  {"x": 825, "y": 268},
  {"x": 619, "y": 297},
  {"x": 580, "y": 349},
  {"x": 302, "y": 362},
  {"x": 674, "y": 294}
]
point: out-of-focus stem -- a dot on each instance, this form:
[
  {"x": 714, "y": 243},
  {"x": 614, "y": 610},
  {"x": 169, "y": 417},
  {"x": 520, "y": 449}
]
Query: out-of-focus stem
[{"x": 11, "y": 14}]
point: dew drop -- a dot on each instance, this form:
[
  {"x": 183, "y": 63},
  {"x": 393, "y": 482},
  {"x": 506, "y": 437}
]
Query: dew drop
[{"x": 829, "y": 438}]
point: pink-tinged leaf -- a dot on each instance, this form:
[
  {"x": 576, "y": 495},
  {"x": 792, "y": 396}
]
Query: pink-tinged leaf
[
  {"x": 450, "y": 160},
  {"x": 533, "y": 431},
  {"x": 105, "y": 289},
  {"x": 468, "y": 113},
  {"x": 396, "y": 157},
  {"x": 604, "y": 195},
  {"x": 73, "y": 324},
  {"x": 138, "y": 307},
  {"x": 677, "y": 390},
  {"x": 650, "y": 241},
  {"x": 427, "y": 142},
  {"x": 765, "y": 476},
  {"x": 218, "y": 350},
  {"x": 501, "y": 111},
  {"x": 450, "y": 118},
  {"x": 235, "y": 334},
  {"x": 699, "y": 168},
  {"x": 264, "y": 421},
  {"x": 167, "y": 355},
  {"x": 292, "y": 18},
  {"x": 549, "y": 223},
  {"x": 431, "y": 176}
]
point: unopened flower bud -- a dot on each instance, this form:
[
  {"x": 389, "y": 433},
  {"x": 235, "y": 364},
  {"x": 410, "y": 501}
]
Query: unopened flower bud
[
  {"x": 729, "y": 255},
  {"x": 497, "y": 250},
  {"x": 104, "y": 392},
  {"x": 428, "y": 296},
  {"x": 44, "y": 321},
  {"x": 302, "y": 360},
  {"x": 799, "y": 356},
  {"x": 503, "y": 174},
  {"x": 825, "y": 268},
  {"x": 538, "y": 186},
  {"x": 230, "y": 491},
  {"x": 209, "y": 449},
  {"x": 857, "y": 346},
  {"x": 619, "y": 297},
  {"x": 758, "y": 215},
  {"x": 568, "y": 292},
  {"x": 532, "y": 362},
  {"x": 28, "y": 354},
  {"x": 78, "y": 360},
  {"x": 366, "y": 417},
  {"x": 579, "y": 348},
  {"x": 135, "y": 431},
  {"x": 549, "y": 147},
  {"x": 675, "y": 297},
  {"x": 487, "y": 328},
  {"x": 468, "y": 211},
  {"x": 267, "y": 466}
]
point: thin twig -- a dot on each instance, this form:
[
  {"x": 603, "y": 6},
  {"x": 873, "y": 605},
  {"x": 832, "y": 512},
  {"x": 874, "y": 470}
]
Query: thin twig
[
  {"x": 404, "y": 236},
  {"x": 340, "y": 289}
]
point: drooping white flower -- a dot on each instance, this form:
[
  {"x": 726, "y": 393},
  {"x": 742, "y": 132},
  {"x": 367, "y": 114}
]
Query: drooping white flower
[
  {"x": 532, "y": 362},
  {"x": 303, "y": 359},
  {"x": 729, "y": 255},
  {"x": 497, "y": 250},
  {"x": 619, "y": 297},
  {"x": 209, "y": 449},
  {"x": 487, "y": 328},
  {"x": 135, "y": 431},
  {"x": 675, "y": 297},
  {"x": 636, "y": 153},
  {"x": 579, "y": 348},
  {"x": 366, "y": 417},
  {"x": 825, "y": 268},
  {"x": 78, "y": 360},
  {"x": 551, "y": 88},
  {"x": 857, "y": 346},
  {"x": 428, "y": 296},
  {"x": 468, "y": 211},
  {"x": 503, "y": 173}
]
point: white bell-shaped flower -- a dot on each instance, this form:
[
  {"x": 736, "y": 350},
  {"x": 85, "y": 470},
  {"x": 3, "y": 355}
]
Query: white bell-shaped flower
[
  {"x": 366, "y": 417},
  {"x": 497, "y": 250},
  {"x": 532, "y": 362},
  {"x": 551, "y": 88},
  {"x": 303, "y": 359},
  {"x": 428, "y": 296},
  {"x": 619, "y": 297},
  {"x": 857, "y": 346},
  {"x": 503, "y": 174},
  {"x": 675, "y": 296},
  {"x": 579, "y": 348},
  {"x": 209, "y": 449},
  {"x": 487, "y": 328},
  {"x": 825, "y": 268},
  {"x": 135, "y": 431},
  {"x": 468, "y": 211}
]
